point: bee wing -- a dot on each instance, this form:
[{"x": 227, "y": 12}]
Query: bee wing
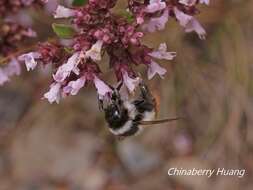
[{"x": 156, "y": 122}]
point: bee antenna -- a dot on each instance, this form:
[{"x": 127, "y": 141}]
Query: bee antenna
[
  {"x": 111, "y": 87},
  {"x": 119, "y": 86},
  {"x": 139, "y": 74}
]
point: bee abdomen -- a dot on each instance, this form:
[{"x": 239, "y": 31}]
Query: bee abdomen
[{"x": 127, "y": 129}]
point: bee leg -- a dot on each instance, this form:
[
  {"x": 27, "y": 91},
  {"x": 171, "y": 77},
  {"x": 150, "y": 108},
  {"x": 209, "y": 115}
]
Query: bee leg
[
  {"x": 145, "y": 93},
  {"x": 119, "y": 86},
  {"x": 138, "y": 102},
  {"x": 100, "y": 104}
]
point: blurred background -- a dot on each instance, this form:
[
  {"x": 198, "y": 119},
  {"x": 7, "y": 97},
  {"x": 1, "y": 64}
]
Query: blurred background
[{"x": 68, "y": 147}]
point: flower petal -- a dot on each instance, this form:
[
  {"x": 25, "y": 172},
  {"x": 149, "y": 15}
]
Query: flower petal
[
  {"x": 188, "y": 2},
  {"x": 155, "y": 5},
  {"x": 130, "y": 82},
  {"x": 154, "y": 69},
  {"x": 54, "y": 94},
  {"x": 190, "y": 23},
  {"x": 95, "y": 51},
  {"x": 73, "y": 87},
  {"x": 30, "y": 59},
  {"x": 102, "y": 88},
  {"x": 157, "y": 23},
  {"x": 63, "y": 12},
  {"x": 71, "y": 66},
  {"x": 183, "y": 18},
  {"x": 194, "y": 25},
  {"x": 162, "y": 53}
]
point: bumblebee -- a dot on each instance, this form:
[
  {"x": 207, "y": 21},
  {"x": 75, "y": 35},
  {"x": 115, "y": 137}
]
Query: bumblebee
[{"x": 126, "y": 118}]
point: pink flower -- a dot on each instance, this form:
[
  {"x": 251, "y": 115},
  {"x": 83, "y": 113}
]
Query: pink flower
[
  {"x": 188, "y": 2},
  {"x": 71, "y": 66},
  {"x": 73, "y": 87},
  {"x": 3, "y": 77},
  {"x": 162, "y": 53},
  {"x": 54, "y": 94},
  {"x": 154, "y": 69},
  {"x": 139, "y": 20},
  {"x": 157, "y": 23},
  {"x": 30, "y": 59},
  {"x": 194, "y": 25},
  {"x": 102, "y": 88},
  {"x": 204, "y": 2},
  {"x": 13, "y": 68},
  {"x": 95, "y": 51},
  {"x": 183, "y": 18},
  {"x": 189, "y": 23},
  {"x": 155, "y": 5},
  {"x": 130, "y": 82},
  {"x": 63, "y": 12}
]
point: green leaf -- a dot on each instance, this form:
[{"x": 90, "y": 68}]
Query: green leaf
[
  {"x": 63, "y": 31},
  {"x": 127, "y": 15},
  {"x": 79, "y": 2},
  {"x": 69, "y": 50}
]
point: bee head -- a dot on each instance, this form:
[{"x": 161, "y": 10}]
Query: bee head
[
  {"x": 115, "y": 111},
  {"x": 116, "y": 98}
]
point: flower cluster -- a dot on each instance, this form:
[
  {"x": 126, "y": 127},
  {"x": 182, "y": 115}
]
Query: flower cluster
[
  {"x": 7, "y": 6},
  {"x": 11, "y": 33},
  {"x": 98, "y": 31},
  {"x": 154, "y": 14}
]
